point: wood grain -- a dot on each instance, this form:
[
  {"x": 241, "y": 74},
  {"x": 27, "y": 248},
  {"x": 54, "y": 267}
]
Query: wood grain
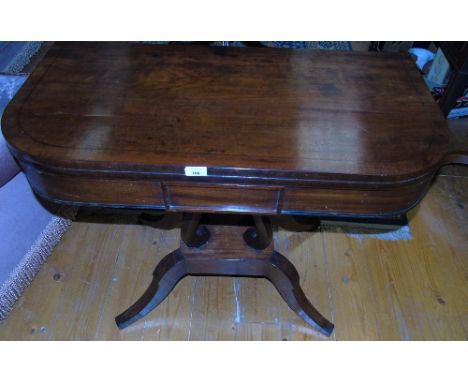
[
  {"x": 85, "y": 293},
  {"x": 214, "y": 309},
  {"x": 135, "y": 104},
  {"x": 334, "y": 132},
  {"x": 409, "y": 290}
]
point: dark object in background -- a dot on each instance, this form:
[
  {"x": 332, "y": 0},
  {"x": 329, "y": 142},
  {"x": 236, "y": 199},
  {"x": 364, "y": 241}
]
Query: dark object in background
[
  {"x": 456, "y": 53},
  {"x": 390, "y": 46}
]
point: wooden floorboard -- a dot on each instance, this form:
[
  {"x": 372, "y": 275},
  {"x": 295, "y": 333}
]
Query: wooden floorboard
[{"x": 372, "y": 289}]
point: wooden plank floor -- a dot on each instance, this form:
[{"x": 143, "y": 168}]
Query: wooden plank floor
[{"x": 372, "y": 289}]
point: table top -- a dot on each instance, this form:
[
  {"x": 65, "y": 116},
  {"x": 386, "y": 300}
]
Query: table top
[
  {"x": 161, "y": 108},
  {"x": 322, "y": 131}
]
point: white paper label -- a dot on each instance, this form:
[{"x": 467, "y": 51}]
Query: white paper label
[{"x": 195, "y": 171}]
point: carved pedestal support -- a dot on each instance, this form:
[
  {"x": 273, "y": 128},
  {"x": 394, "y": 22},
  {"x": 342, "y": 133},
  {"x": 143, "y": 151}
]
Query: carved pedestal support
[{"x": 226, "y": 251}]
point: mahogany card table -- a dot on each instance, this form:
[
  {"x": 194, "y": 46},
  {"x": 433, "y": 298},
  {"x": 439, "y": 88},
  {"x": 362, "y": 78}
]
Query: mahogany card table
[{"x": 257, "y": 132}]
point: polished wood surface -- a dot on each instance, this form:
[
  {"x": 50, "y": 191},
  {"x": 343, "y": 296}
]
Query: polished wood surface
[
  {"x": 279, "y": 130},
  {"x": 372, "y": 289}
]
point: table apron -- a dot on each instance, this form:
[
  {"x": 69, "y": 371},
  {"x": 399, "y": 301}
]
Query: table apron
[{"x": 193, "y": 196}]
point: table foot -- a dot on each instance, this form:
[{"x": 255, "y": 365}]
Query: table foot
[
  {"x": 166, "y": 275},
  {"x": 283, "y": 275}
]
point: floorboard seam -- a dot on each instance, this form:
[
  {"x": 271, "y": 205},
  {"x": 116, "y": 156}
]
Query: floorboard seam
[
  {"x": 109, "y": 283},
  {"x": 327, "y": 276},
  {"x": 66, "y": 287},
  {"x": 192, "y": 307}
]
